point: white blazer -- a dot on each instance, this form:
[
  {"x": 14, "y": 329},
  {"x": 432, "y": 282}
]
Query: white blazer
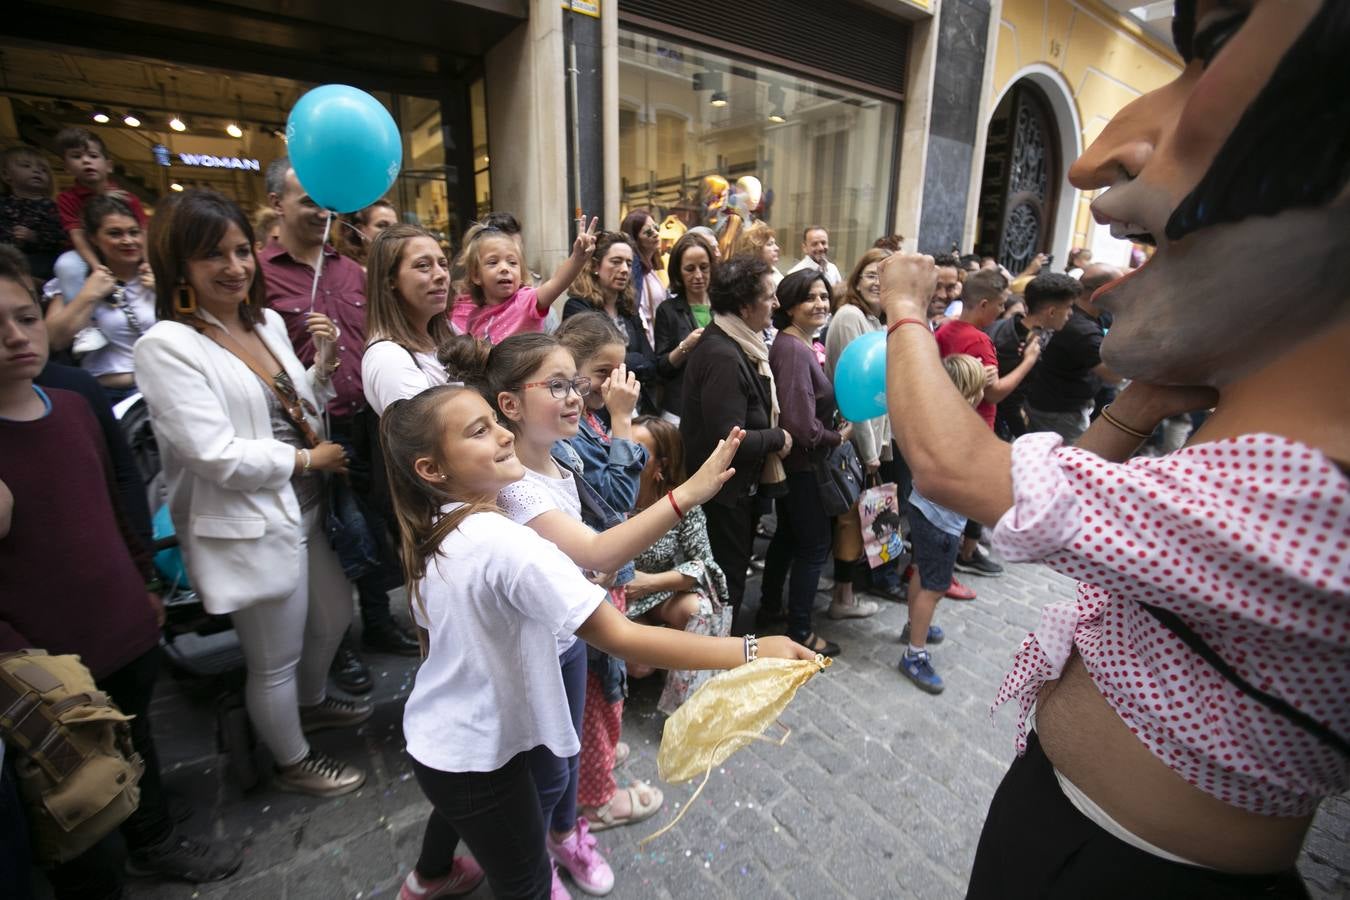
[{"x": 229, "y": 480}]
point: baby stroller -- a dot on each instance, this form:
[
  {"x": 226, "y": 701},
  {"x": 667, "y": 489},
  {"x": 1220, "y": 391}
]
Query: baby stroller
[{"x": 202, "y": 649}]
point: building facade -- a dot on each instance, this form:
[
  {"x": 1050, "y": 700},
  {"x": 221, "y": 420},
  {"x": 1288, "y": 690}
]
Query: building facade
[{"x": 951, "y": 122}]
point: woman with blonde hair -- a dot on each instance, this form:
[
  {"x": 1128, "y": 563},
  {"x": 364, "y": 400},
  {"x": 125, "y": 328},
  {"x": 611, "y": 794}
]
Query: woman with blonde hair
[
  {"x": 407, "y": 290},
  {"x": 761, "y": 242}
]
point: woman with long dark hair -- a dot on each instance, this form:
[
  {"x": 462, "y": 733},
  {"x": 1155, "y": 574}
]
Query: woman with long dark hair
[{"x": 681, "y": 319}]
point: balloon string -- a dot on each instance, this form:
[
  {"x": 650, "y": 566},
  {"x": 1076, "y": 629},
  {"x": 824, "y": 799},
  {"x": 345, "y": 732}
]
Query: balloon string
[
  {"x": 318, "y": 269},
  {"x": 712, "y": 761}
]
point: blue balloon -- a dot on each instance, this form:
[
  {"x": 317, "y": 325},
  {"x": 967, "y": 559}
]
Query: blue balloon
[
  {"x": 344, "y": 147},
  {"x": 169, "y": 562},
  {"x": 860, "y": 378}
]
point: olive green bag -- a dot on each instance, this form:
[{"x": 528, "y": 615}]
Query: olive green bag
[{"x": 78, "y": 773}]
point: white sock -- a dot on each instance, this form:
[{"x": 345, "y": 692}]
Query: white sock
[{"x": 915, "y": 651}]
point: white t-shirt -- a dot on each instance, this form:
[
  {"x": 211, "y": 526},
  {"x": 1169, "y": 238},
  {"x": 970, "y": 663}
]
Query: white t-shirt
[
  {"x": 389, "y": 372},
  {"x": 496, "y": 596},
  {"x": 534, "y": 495}
]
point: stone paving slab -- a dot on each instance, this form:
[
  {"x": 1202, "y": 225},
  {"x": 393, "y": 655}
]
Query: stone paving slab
[{"x": 879, "y": 792}]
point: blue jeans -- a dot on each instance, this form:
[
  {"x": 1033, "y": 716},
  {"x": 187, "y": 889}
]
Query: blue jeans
[
  {"x": 556, "y": 779},
  {"x": 801, "y": 544}
]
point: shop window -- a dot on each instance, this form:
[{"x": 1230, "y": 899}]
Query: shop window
[
  {"x": 821, "y": 154},
  {"x": 482, "y": 182}
]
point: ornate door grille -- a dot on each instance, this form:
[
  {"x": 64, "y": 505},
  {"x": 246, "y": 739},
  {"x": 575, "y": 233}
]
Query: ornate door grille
[{"x": 1021, "y": 179}]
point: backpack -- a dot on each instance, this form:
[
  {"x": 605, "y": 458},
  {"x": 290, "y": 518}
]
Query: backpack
[{"x": 78, "y": 774}]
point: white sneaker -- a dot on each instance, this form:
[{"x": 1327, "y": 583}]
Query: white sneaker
[{"x": 858, "y": 609}]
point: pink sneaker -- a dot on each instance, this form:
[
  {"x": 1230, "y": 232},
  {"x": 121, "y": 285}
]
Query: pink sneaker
[
  {"x": 580, "y": 856},
  {"x": 465, "y": 875},
  {"x": 559, "y": 890}
]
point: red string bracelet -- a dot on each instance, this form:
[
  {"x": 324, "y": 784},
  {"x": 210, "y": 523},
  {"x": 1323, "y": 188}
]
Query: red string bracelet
[
  {"x": 907, "y": 321},
  {"x": 670, "y": 495}
]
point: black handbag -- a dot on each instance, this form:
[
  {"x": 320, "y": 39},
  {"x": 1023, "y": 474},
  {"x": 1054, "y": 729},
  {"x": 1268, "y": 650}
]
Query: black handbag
[{"x": 839, "y": 477}]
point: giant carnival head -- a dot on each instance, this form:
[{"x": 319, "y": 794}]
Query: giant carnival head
[{"x": 1238, "y": 172}]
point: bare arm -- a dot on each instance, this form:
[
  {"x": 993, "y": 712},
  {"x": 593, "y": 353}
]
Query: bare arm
[
  {"x": 927, "y": 412},
  {"x": 1141, "y": 407},
  {"x": 609, "y": 550},
  {"x": 65, "y": 319},
  {"x": 6, "y": 509},
  {"x": 1102, "y": 371},
  {"x": 571, "y": 267},
  {"x": 1005, "y": 385},
  {"x": 666, "y": 648}
]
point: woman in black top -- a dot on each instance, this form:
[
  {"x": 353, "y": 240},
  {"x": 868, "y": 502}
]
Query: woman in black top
[
  {"x": 727, "y": 382},
  {"x": 681, "y": 318},
  {"x": 606, "y": 284}
]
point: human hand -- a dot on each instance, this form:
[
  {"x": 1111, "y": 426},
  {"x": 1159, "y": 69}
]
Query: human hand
[
  {"x": 1037, "y": 263},
  {"x": 22, "y": 234},
  {"x": 990, "y": 375},
  {"x": 98, "y": 285},
  {"x": 584, "y": 245},
  {"x": 1032, "y": 351},
  {"x": 620, "y": 391},
  {"x": 146, "y": 276},
  {"x": 1142, "y": 405},
  {"x": 846, "y": 432},
  {"x": 704, "y": 484},
  {"x": 782, "y": 647},
  {"x": 328, "y": 457},
  {"x": 642, "y": 585},
  {"x": 907, "y": 284},
  {"x": 691, "y": 340},
  {"x": 787, "y": 443},
  {"x": 325, "y": 334},
  {"x": 157, "y": 604},
  {"x": 604, "y": 579},
  {"x": 872, "y": 468}
]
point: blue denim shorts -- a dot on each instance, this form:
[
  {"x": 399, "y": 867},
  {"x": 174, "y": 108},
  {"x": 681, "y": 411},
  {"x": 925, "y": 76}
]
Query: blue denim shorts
[{"x": 934, "y": 551}]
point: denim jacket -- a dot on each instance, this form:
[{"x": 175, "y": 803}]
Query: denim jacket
[
  {"x": 599, "y": 515},
  {"x": 612, "y": 466}
]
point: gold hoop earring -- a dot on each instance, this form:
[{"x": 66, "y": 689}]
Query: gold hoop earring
[{"x": 185, "y": 299}]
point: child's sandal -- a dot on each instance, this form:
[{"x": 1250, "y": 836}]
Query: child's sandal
[{"x": 601, "y": 818}]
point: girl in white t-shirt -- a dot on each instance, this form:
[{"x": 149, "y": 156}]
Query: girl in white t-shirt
[
  {"x": 494, "y": 597},
  {"x": 407, "y": 289}
]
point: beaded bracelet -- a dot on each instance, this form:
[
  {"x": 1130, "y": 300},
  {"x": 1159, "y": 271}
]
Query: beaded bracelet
[{"x": 751, "y": 648}]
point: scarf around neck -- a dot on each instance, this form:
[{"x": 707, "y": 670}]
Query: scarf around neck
[{"x": 757, "y": 352}]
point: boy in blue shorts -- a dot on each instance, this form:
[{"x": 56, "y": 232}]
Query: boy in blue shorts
[{"x": 935, "y": 534}]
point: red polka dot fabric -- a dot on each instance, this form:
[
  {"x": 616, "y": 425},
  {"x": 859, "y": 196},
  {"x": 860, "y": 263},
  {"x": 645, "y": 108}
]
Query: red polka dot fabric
[{"x": 1248, "y": 541}]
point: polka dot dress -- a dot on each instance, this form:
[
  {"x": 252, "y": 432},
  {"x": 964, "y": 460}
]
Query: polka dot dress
[{"x": 1248, "y": 541}]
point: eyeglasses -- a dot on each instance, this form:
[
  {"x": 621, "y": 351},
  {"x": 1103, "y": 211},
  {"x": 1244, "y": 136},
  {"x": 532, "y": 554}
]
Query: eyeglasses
[
  {"x": 559, "y": 387},
  {"x": 870, "y": 276},
  {"x": 650, "y": 232}
]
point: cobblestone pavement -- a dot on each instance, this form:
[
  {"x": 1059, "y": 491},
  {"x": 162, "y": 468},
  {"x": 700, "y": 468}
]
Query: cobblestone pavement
[{"x": 880, "y": 790}]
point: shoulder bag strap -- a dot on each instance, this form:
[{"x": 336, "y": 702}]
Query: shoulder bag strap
[
  {"x": 291, "y": 401},
  {"x": 1173, "y": 623}
]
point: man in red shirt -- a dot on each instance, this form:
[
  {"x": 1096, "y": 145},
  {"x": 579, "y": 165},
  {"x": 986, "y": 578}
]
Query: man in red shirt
[{"x": 982, "y": 302}]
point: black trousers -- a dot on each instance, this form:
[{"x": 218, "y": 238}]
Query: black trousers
[
  {"x": 497, "y": 815},
  {"x": 97, "y": 872},
  {"x": 372, "y": 589},
  {"x": 1035, "y": 844},
  {"x": 731, "y": 535}
]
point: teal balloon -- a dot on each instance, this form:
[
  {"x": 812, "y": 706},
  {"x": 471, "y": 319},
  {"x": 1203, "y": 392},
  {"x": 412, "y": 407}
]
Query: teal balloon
[
  {"x": 169, "y": 562},
  {"x": 344, "y": 147},
  {"x": 860, "y": 378}
]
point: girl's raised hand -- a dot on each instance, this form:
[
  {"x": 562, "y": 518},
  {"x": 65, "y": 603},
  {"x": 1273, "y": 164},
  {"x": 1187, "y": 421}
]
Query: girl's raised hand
[
  {"x": 584, "y": 245},
  {"x": 621, "y": 390},
  {"x": 781, "y": 647},
  {"x": 704, "y": 484}
]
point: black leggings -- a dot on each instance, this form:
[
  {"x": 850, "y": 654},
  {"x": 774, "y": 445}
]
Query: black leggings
[
  {"x": 1035, "y": 844},
  {"x": 497, "y": 814}
]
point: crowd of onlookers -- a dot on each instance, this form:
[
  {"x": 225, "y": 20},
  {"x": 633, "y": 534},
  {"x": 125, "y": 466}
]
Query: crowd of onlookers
[{"x": 271, "y": 363}]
